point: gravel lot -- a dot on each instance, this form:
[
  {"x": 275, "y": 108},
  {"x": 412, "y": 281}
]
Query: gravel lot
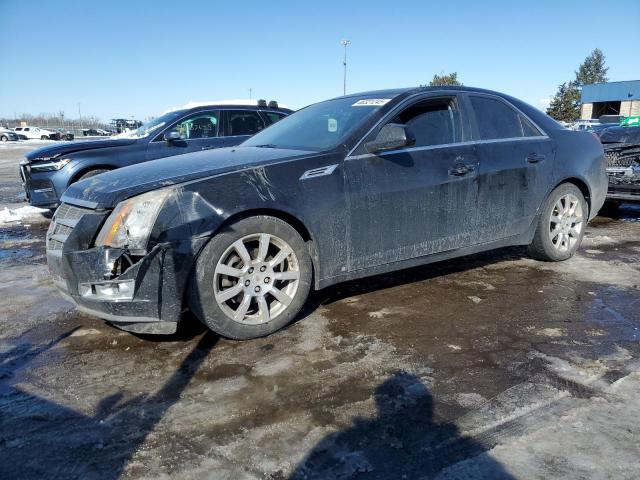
[{"x": 491, "y": 366}]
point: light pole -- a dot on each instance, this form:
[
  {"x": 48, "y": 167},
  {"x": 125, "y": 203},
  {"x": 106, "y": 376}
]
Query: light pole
[
  {"x": 344, "y": 43},
  {"x": 80, "y": 114}
]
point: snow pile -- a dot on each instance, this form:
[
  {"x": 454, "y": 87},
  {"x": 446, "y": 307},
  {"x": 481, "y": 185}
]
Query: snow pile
[{"x": 17, "y": 214}]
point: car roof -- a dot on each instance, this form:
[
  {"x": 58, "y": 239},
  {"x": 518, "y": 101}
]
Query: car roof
[
  {"x": 227, "y": 103},
  {"x": 394, "y": 92}
]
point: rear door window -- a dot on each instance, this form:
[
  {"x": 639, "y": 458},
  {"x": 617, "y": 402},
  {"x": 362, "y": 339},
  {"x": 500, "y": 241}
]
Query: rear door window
[
  {"x": 273, "y": 117},
  {"x": 244, "y": 122},
  {"x": 497, "y": 120}
]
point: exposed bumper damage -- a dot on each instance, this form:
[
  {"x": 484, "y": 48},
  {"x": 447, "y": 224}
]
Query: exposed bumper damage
[
  {"x": 623, "y": 169},
  {"x": 141, "y": 294}
]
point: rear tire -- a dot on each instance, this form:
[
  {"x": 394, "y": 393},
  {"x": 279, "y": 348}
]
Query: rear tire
[
  {"x": 44, "y": 137},
  {"x": 251, "y": 279},
  {"x": 561, "y": 225}
]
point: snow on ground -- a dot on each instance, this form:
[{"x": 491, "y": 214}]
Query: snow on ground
[
  {"x": 12, "y": 215},
  {"x": 27, "y": 144}
]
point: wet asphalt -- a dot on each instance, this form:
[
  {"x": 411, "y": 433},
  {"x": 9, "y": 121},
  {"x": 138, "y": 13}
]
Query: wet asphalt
[{"x": 430, "y": 372}]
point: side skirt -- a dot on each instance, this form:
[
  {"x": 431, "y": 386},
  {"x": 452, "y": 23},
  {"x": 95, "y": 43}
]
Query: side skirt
[{"x": 523, "y": 239}]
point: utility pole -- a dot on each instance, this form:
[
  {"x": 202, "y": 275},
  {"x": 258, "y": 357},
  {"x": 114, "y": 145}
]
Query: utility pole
[
  {"x": 250, "y": 92},
  {"x": 80, "y": 114},
  {"x": 344, "y": 43}
]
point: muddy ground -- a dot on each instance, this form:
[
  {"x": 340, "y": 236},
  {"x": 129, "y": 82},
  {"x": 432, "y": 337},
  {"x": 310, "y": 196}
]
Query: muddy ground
[{"x": 490, "y": 366}]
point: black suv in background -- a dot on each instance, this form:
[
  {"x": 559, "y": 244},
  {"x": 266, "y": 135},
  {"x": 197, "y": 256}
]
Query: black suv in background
[
  {"x": 47, "y": 172},
  {"x": 622, "y": 152}
]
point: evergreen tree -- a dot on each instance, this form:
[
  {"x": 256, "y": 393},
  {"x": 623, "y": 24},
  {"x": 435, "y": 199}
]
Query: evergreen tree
[
  {"x": 565, "y": 105},
  {"x": 592, "y": 69},
  {"x": 449, "y": 79}
]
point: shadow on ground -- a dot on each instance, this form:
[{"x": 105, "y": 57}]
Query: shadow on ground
[
  {"x": 402, "y": 441},
  {"x": 41, "y": 439}
]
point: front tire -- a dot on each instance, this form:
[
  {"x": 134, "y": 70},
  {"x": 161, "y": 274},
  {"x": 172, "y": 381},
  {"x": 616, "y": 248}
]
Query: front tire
[
  {"x": 44, "y": 137},
  {"x": 251, "y": 279},
  {"x": 4, "y": 138},
  {"x": 561, "y": 225}
]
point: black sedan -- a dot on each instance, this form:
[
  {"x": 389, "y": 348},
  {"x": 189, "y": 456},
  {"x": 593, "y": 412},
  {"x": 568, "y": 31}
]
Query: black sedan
[{"x": 343, "y": 189}]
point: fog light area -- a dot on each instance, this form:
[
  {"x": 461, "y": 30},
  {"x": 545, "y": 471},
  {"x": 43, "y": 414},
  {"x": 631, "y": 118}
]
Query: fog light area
[{"x": 110, "y": 291}]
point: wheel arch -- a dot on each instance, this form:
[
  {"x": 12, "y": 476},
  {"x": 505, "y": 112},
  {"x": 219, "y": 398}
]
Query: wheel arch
[
  {"x": 582, "y": 186},
  {"x": 289, "y": 218},
  {"x": 87, "y": 169}
]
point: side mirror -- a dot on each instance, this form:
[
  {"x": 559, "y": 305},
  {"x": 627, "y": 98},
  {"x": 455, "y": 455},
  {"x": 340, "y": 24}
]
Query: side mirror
[
  {"x": 171, "y": 136},
  {"x": 390, "y": 137}
]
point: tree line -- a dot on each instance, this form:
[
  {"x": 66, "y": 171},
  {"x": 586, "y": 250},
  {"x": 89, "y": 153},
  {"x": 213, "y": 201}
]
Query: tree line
[{"x": 58, "y": 120}]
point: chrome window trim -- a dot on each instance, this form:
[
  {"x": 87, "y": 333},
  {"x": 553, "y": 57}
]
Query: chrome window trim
[
  {"x": 434, "y": 94},
  {"x": 447, "y": 145}
]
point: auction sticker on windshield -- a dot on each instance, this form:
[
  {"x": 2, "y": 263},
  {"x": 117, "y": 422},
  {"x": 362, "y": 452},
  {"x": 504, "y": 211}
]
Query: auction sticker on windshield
[{"x": 371, "y": 102}]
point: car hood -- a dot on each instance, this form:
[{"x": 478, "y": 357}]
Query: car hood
[
  {"x": 621, "y": 135},
  {"x": 107, "y": 189},
  {"x": 54, "y": 151}
]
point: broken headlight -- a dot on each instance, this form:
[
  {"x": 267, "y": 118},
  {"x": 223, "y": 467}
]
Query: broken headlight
[{"x": 131, "y": 222}]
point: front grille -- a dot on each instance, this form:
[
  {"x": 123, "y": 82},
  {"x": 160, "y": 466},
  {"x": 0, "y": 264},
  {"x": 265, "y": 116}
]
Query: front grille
[
  {"x": 623, "y": 158},
  {"x": 69, "y": 213},
  {"x": 64, "y": 221}
]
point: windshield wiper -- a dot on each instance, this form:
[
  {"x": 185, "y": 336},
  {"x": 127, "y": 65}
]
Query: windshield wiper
[{"x": 267, "y": 145}]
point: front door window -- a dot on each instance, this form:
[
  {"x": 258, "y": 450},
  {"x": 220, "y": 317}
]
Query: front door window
[{"x": 199, "y": 125}]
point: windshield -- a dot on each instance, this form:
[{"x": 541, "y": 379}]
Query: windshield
[
  {"x": 321, "y": 126},
  {"x": 153, "y": 125}
]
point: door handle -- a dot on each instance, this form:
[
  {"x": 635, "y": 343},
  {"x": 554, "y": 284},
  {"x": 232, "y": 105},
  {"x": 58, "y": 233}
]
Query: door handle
[
  {"x": 460, "y": 170},
  {"x": 535, "y": 157},
  {"x": 210, "y": 147}
]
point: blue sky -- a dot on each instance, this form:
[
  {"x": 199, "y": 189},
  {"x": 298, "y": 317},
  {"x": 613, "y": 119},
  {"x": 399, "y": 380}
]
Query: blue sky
[{"x": 128, "y": 58}]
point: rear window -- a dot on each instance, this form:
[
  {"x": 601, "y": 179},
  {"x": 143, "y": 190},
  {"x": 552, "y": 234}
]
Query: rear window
[{"x": 497, "y": 120}]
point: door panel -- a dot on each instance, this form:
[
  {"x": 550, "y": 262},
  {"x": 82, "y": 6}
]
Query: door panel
[
  {"x": 516, "y": 167},
  {"x": 410, "y": 203},
  {"x": 514, "y": 179}
]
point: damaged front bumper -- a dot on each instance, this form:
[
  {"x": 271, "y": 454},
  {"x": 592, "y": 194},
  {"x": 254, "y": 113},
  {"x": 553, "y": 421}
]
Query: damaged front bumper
[
  {"x": 141, "y": 294},
  {"x": 623, "y": 170}
]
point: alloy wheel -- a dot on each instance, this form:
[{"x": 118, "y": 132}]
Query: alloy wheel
[
  {"x": 256, "y": 278},
  {"x": 566, "y": 222}
]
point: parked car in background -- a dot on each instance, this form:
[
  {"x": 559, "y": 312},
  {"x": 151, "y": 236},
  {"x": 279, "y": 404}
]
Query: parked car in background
[
  {"x": 65, "y": 134},
  {"x": 355, "y": 186},
  {"x": 87, "y": 132},
  {"x": 622, "y": 153},
  {"x": 7, "y": 135},
  {"x": 37, "y": 133},
  {"x": 47, "y": 172},
  {"x": 584, "y": 124},
  {"x": 599, "y": 128}
]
